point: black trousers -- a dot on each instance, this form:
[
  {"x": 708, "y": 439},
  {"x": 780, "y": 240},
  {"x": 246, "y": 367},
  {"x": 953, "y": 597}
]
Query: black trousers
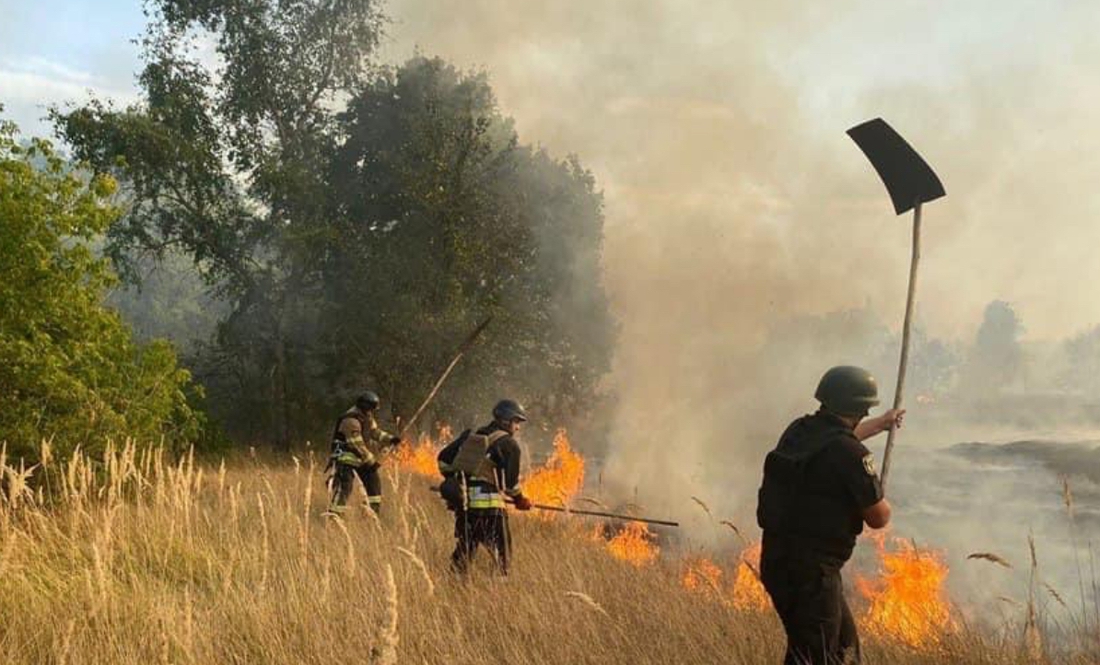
[
  {"x": 808, "y": 594},
  {"x": 474, "y": 528},
  {"x": 343, "y": 482}
]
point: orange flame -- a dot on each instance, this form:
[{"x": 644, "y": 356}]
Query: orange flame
[
  {"x": 419, "y": 458},
  {"x": 634, "y": 544},
  {"x": 558, "y": 480},
  {"x": 703, "y": 575},
  {"x": 907, "y": 603},
  {"x": 748, "y": 591}
]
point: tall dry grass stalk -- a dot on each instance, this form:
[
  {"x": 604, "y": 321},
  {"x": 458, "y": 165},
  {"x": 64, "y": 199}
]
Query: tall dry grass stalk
[
  {"x": 384, "y": 652},
  {"x": 420, "y": 566},
  {"x": 352, "y": 562},
  {"x": 307, "y": 512},
  {"x": 1033, "y": 638},
  {"x": 265, "y": 542},
  {"x": 706, "y": 509},
  {"x": 1087, "y": 627}
]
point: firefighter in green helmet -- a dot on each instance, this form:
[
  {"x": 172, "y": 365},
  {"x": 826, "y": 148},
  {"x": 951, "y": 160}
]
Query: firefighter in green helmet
[
  {"x": 481, "y": 470},
  {"x": 357, "y": 445},
  {"x": 820, "y": 488}
]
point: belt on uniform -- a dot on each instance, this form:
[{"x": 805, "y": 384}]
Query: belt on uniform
[{"x": 480, "y": 499}]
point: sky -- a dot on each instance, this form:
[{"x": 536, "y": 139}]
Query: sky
[{"x": 53, "y": 52}]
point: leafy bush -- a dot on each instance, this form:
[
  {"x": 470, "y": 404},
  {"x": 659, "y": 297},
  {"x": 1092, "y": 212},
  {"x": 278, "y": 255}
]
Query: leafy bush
[{"x": 69, "y": 368}]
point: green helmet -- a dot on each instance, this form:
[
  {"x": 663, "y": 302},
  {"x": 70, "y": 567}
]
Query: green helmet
[
  {"x": 847, "y": 391},
  {"x": 509, "y": 409},
  {"x": 368, "y": 401}
]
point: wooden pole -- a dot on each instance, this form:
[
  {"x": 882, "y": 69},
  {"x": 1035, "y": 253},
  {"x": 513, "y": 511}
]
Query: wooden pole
[
  {"x": 596, "y": 513},
  {"x": 905, "y": 332},
  {"x": 593, "y": 513},
  {"x": 447, "y": 372},
  {"x": 431, "y": 395}
]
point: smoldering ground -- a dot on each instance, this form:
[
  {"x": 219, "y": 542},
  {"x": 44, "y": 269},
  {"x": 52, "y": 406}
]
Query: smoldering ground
[{"x": 739, "y": 214}]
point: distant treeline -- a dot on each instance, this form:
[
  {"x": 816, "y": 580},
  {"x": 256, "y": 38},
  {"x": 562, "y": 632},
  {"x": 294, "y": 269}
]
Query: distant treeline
[{"x": 995, "y": 375}]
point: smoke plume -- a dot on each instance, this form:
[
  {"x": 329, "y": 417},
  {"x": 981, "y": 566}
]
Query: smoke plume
[{"x": 741, "y": 219}]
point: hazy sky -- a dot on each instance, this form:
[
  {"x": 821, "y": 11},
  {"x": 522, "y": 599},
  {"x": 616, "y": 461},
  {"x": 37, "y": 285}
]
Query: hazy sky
[{"x": 716, "y": 129}]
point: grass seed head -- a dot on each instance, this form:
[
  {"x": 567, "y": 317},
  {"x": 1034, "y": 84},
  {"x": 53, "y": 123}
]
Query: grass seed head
[
  {"x": 990, "y": 556},
  {"x": 587, "y": 601}
]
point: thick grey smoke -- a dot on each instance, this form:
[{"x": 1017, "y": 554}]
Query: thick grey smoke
[{"x": 740, "y": 215}]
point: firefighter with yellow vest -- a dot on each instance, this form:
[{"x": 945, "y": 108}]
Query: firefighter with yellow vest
[
  {"x": 480, "y": 469},
  {"x": 357, "y": 445}
]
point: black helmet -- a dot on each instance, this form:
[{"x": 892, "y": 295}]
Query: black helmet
[
  {"x": 848, "y": 391},
  {"x": 368, "y": 401},
  {"x": 509, "y": 409}
]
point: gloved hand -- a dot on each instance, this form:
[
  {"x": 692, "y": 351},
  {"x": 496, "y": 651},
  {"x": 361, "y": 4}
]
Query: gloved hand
[{"x": 522, "y": 503}]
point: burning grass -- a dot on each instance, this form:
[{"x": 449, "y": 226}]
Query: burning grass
[
  {"x": 634, "y": 544},
  {"x": 745, "y": 593},
  {"x": 560, "y": 479},
  {"x": 139, "y": 559},
  {"x": 703, "y": 576},
  {"x": 907, "y": 601},
  {"x": 748, "y": 591},
  {"x": 419, "y": 457}
]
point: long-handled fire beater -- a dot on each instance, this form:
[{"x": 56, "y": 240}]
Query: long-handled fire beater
[{"x": 595, "y": 513}]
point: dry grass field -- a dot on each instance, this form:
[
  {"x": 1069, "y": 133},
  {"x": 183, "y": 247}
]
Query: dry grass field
[{"x": 136, "y": 559}]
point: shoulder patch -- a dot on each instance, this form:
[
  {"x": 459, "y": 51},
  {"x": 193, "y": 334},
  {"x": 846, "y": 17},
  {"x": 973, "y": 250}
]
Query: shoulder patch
[{"x": 869, "y": 464}]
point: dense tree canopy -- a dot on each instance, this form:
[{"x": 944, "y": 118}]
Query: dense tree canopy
[
  {"x": 359, "y": 221},
  {"x": 69, "y": 370},
  {"x": 444, "y": 219}
]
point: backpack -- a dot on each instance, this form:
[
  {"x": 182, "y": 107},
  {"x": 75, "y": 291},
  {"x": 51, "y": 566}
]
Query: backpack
[
  {"x": 471, "y": 462},
  {"x": 472, "y": 458}
]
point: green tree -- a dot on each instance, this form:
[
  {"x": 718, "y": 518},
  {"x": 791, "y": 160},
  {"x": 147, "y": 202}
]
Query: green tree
[
  {"x": 358, "y": 221},
  {"x": 933, "y": 364},
  {"x": 1081, "y": 373},
  {"x": 228, "y": 166},
  {"x": 69, "y": 369},
  {"x": 443, "y": 218},
  {"x": 996, "y": 360}
]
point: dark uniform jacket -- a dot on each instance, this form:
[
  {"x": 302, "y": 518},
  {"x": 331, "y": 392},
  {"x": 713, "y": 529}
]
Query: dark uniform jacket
[
  {"x": 817, "y": 483},
  {"x": 504, "y": 453}
]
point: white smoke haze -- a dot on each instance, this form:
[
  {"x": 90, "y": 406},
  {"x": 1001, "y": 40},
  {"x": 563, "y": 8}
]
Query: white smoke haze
[{"x": 739, "y": 214}]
